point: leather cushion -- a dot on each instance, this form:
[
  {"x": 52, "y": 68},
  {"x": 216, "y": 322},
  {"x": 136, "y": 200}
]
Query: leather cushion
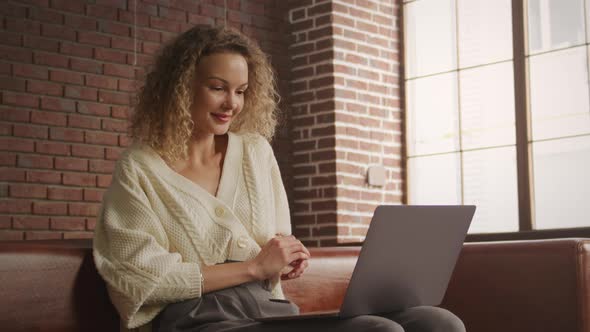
[{"x": 52, "y": 286}]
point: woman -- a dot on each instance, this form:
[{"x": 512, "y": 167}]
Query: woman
[{"x": 194, "y": 230}]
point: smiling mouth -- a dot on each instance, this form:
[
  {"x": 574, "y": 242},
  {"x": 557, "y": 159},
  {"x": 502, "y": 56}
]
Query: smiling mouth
[{"x": 221, "y": 117}]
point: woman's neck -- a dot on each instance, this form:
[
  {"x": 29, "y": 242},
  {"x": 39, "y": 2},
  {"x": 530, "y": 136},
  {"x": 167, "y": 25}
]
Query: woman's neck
[{"x": 202, "y": 149}]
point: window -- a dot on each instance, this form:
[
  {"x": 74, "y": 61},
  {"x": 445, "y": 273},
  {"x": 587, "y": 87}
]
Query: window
[{"x": 497, "y": 120}]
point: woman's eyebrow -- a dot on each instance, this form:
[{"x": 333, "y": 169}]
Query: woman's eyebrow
[{"x": 224, "y": 81}]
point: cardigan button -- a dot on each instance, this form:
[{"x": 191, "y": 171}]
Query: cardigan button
[
  {"x": 242, "y": 242},
  {"x": 219, "y": 211}
]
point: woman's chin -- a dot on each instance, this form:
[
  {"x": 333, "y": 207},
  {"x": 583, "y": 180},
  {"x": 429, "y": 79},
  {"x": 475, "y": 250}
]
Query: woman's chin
[
  {"x": 214, "y": 129},
  {"x": 220, "y": 130}
]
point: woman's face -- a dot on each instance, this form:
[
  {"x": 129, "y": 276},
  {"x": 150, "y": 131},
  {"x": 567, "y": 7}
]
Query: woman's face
[{"x": 222, "y": 79}]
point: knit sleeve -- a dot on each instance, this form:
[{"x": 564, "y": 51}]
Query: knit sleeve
[
  {"x": 278, "y": 199},
  {"x": 281, "y": 203},
  {"x": 130, "y": 252}
]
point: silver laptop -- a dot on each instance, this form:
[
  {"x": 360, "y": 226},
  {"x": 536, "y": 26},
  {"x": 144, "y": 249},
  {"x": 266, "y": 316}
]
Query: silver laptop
[{"x": 406, "y": 260}]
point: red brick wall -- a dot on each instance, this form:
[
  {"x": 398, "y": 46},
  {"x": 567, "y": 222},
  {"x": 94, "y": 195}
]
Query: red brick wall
[
  {"x": 346, "y": 115},
  {"x": 68, "y": 70}
]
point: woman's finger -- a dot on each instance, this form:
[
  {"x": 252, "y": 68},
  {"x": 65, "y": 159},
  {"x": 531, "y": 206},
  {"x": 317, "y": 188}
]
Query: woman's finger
[
  {"x": 297, "y": 256},
  {"x": 301, "y": 267},
  {"x": 283, "y": 241},
  {"x": 298, "y": 246},
  {"x": 298, "y": 271},
  {"x": 287, "y": 269},
  {"x": 290, "y": 239}
]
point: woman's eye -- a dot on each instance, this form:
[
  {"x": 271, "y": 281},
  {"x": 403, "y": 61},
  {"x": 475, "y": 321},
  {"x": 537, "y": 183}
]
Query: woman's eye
[
  {"x": 217, "y": 88},
  {"x": 240, "y": 92}
]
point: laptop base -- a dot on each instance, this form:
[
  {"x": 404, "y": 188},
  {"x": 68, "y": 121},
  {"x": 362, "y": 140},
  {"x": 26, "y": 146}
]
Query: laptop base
[{"x": 305, "y": 316}]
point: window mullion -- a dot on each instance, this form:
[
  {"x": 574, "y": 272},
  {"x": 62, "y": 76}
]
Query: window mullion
[{"x": 523, "y": 152}]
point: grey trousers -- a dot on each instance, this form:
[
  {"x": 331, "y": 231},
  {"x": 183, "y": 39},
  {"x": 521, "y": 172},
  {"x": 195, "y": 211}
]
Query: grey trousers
[{"x": 233, "y": 309}]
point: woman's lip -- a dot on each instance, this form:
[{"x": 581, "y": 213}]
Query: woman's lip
[{"x": 221, "y": 117}]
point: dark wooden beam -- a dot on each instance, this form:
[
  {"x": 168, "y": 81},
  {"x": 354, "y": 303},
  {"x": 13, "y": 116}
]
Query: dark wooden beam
[{"x": 523, "y": 152}]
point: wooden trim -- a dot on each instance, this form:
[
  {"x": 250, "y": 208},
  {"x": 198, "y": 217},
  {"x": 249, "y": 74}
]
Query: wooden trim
[
  {"x": 459, "y": 109},
  {"x": 525, "y": 207},
  {"x": 404, "y": 174},
  {"x": 531, "y": 235},
  {"x": 558, "y": 233}
]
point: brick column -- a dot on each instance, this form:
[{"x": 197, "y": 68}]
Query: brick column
[{"x": 345, "y": 115}]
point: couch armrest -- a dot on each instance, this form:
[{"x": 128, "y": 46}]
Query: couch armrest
[
  {"x": 522, "y": 286},
  {"x": 324, "y": 283}
]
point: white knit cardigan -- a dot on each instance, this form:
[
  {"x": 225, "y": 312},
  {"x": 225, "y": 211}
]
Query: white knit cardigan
[{"x": 156, "y": 228}]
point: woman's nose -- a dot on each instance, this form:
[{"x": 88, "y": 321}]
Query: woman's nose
[{"x": 231, "y": 101}]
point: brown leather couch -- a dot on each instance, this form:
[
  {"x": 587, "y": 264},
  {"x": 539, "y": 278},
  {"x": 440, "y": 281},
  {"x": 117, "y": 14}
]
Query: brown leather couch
[{"x": 541, "y": 285}]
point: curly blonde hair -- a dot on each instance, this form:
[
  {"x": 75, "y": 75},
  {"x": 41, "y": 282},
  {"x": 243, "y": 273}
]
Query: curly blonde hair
[{"x": 162, "y": 117}]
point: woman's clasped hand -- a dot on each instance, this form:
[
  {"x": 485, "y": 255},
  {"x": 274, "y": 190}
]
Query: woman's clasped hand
[{"x": 283, "y": 256}]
